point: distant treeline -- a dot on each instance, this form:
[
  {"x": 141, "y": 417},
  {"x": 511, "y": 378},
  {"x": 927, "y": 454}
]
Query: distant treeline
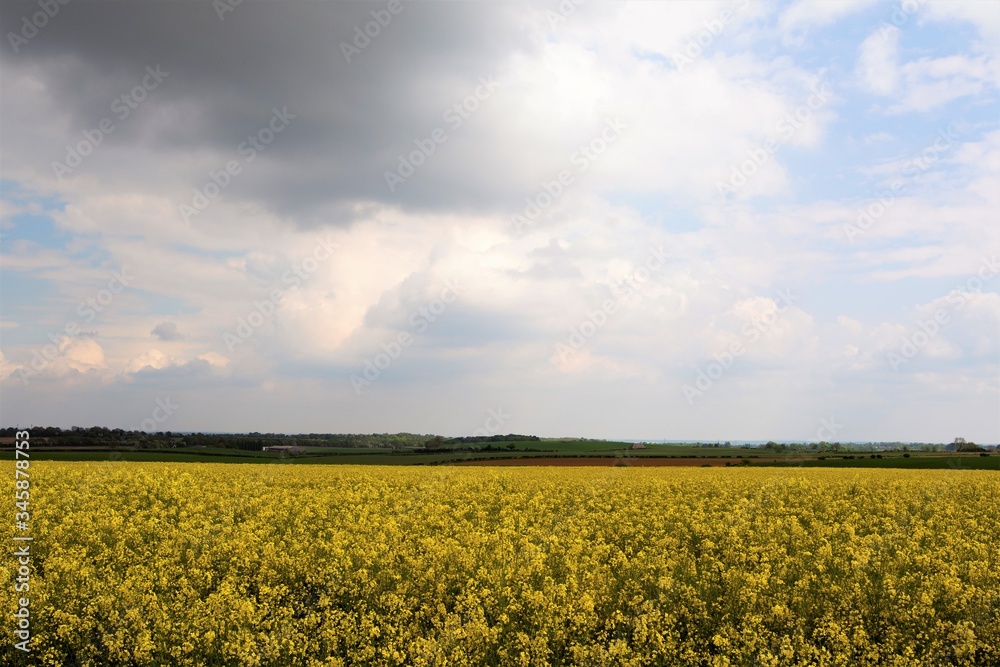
[
  {"x": 471, "y": 439},
  {"x": 100, "y": 436},
  {"x": 882, "y": 446},
  {"x": 472, "y": 443}
]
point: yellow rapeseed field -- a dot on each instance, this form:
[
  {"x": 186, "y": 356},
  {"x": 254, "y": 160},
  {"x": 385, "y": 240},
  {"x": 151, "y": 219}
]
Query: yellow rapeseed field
[{"x": 243, "y": 565}]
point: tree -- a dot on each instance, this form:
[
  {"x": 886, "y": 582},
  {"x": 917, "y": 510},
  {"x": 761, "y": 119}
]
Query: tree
[{"x": 961, "y": 445}]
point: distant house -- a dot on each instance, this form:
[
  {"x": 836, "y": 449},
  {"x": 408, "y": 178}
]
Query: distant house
[
  {"x": 638, "y": 445},
  {"x": 288, "y": 449}
]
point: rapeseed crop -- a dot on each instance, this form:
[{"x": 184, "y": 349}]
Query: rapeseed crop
[{"x": 246, "y": 565}]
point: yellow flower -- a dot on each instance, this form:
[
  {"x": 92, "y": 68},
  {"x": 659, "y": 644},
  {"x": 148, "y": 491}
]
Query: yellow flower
[{"x": 195, "y": 564}]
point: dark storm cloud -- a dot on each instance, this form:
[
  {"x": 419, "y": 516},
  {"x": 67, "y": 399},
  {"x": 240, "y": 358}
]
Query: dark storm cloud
[{"x": 226, "y": 76}]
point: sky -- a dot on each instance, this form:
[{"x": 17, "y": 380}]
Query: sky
[{"x": 666, "y": 220}]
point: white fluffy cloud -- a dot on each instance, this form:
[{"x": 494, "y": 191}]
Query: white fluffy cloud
[{"x": 878, "y": 61}]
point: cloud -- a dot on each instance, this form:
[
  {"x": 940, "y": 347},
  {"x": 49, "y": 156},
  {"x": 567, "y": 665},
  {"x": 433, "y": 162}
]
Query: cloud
[
  {"x": 339, "y": 155},
  {"x": 951, "y": 331},
  {"x": 934, "y": 82},
  {"x": 806, "y": 14},
  {"x": 985, "y": 16},
  {"x": 166, "y": 331},
  {"x": 926, "y": 83},
  {"x": 328, "y": 167},
  {"x": 878, "y": 61}
]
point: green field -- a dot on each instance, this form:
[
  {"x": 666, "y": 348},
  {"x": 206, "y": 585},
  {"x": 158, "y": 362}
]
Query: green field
[
  {"x": 917, "y": 462},
  {"x": 561, "y": 448}
]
